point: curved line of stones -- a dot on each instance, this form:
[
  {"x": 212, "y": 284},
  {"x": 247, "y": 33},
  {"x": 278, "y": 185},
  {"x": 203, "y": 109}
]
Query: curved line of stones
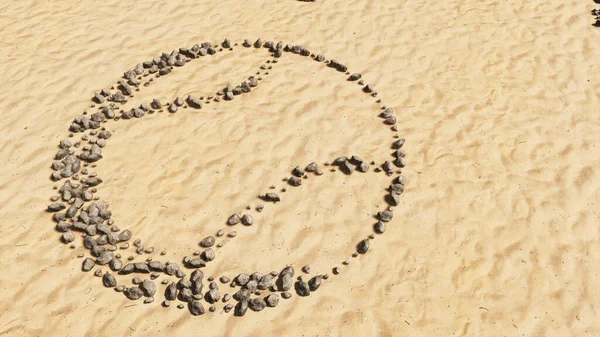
[{"x": 101, "y": 236}]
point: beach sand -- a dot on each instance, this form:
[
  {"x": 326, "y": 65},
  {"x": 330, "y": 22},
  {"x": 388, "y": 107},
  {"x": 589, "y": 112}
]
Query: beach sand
[{"x": 496, "y": 235}]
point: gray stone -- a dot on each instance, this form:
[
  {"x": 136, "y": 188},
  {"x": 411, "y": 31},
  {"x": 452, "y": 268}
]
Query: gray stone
[
  {"x": 242, "y": 295},
  {"x": 133, "y": 293},
  {"x": 115, "y": 264},
  {"x": 271, "y": 197},
  {"x": 88, "y": 264},
  {"x": 109, "y": 280},
  {"x": 257, "y": 304},
  {"x": 242, "y": 279},
  {"x": 241, "y": 308},
  {"x": 233, "y": 220},
  {"x": 398, "y": 144},
  {"x": 295, "y": 181},
  {"x": 208, "y": 241},
  {"x": 355, "y": 77},
  {"x": 171, "y": 292},
  {"x": 68, "y": 237},
  {"x": 379, "y": 227},
  {"x": 104, "y": 258},
  {"x": 56, "y": 207},
  {"x": 363, "y": 246},
  {"x": 148, "y": 287},
  {"x": 272, "y": 300},
  {"x": 315, "y": 282},
  {"x": 302, "y": 288},
  {"x": 247, "y": 220},
  {"x": 385, "y": 216},
  {"x": 196, "y": 308},
  {"x": 265, "y": 282},
  {"x": 212, "y": 296},
  {"x": 208, "y": 255}
]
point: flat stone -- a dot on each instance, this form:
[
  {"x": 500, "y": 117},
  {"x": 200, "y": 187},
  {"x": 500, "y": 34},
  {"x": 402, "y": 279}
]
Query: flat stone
[{"x": 272, "y": 197}]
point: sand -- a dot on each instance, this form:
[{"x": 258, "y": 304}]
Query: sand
[{"x": 496, "y": 234}]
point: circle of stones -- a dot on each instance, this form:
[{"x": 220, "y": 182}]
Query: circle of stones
[{"x": 76, "y": 208}]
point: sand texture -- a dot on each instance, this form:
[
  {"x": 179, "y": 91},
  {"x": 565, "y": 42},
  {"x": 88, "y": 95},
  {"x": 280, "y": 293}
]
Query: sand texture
[{"x": 497, "y": 233}]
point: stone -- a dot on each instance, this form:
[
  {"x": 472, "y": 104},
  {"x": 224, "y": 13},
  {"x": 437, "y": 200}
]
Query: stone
[
  {"x": 88, "y": 264},
  {"x": 242, "y": 279},
  {"x": 385, "y": 216},
  {"x": 56, "y": 207},
  {"x": 247, "y": 220},
  {"x": 193, "y": 102},
  {"x": 115, "y": 264},
  {"x": 233, "y": 220},
  {"x": 241, "y": 308},
  {"x": 285, "y": 281},
  {"x": 286, "y": 295},
  {"x": 242, "y": 295},
  {"x": 228, "y": 308},
  {"x": 171, "y": 292},
  {"x": 208, "y": 241},
  {"x": 224, "y": 279},
  {"x": 346, "y": 167},
  {"x": 265, "y": 282},
  {"x": 148, "y": 287},
  {"x": 257, "y": 304},
  {"x": 294, "y": 181},
  {"x": 212, "y": 296},
  {"x": 379, "y": 227},
  {"x": 315, "y": 282},
  {"x": 104, "y": 258},
  {"x": 302, "y": 288},
  {"x": 272, "y": 300},
  {"x": 354, "y": 77},
  {"x": 208, "y": 255},
  {"x": 363, "y": 167},
  {"x": 67, "y": 237},
  {"x": 108, "y": 280},
  {"x": 368, "y": 88},
  {"x": 186, "y": 295},
  {"x": 398, "y": 144},
  {"x": 363, "y": 246},
  {"x": 133, "y": 293},
  {"x": 271, "y": 197},
  {"x": 298, "y": 172},
  {"x": 196, "y": 308},
  {"x": 312, "y": 167}
]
